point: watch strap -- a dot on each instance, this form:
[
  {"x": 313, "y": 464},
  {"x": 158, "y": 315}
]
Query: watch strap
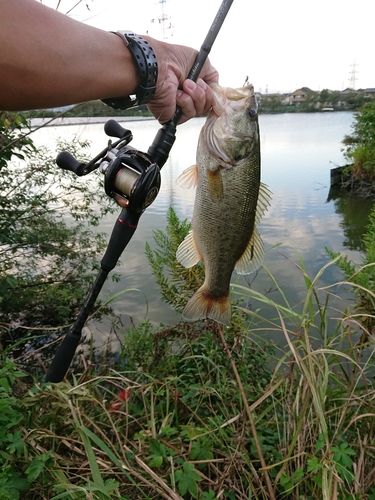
[{"x": 145, "y": 59}]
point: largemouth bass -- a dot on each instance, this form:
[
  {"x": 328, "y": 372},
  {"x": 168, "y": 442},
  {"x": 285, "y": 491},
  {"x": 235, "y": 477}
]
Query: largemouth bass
[{"x": 229, "y": 203}]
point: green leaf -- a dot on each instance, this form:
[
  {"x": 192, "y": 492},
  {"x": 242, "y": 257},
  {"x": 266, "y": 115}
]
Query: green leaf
[
  {"x": 320, "y": 442},
  {"x": 12, "y": 484},
  {"x": 342, "y": 454},
  {"x": 155, "y": 461},
  {"x": 157, "y": 448},
  {"x": 187, "y": 480},
  {"x": 4, "y": 384},
  {"x": 298, "y": 474},
  {"x": 17, "y": 444},
  {"x": 209, "y": 495},
  {"x": 286, "y": 481},
  {"x": 200, "y": 452},
  {"x": 313, "y": 465},
  {"x": 37, "y": 466}
]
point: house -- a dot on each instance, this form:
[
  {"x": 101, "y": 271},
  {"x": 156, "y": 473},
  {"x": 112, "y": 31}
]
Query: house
[
  {"x": 368, "y": 92},
  {"x": 298, "y": 96},
  {"x": 342, "y": 102}
]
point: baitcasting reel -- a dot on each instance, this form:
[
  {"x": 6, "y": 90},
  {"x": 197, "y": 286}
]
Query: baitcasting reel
[{"x": 132, "y": 179}]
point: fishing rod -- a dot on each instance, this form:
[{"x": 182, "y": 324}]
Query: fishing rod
[{"x": 133, "y": 179}]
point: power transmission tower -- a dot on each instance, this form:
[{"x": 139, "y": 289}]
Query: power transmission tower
[
  {"x": 353, "y": 73},
  {"x": 165, "y": 20}
]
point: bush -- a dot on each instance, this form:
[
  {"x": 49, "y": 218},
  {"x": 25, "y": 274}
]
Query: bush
[
  {"x": 49, "y": 247},
  {"x": 360, "y": 146},
  {"x": 361, "y": 277},
  {"x": 201, "y": 411}
]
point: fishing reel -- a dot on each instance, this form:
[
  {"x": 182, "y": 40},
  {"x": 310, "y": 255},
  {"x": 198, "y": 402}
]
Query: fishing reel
[{"x": 132, "y": 179}]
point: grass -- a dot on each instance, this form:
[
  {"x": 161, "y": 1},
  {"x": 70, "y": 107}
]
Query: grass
[{"x": 206, "y": 412}]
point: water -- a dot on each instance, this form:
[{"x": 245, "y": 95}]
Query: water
[{"x": 298, "y": 151}]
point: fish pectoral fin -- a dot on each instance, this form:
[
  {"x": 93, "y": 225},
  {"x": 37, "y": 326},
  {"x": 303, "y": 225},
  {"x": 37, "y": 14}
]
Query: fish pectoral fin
[
  {"x": 189, "y": 178},
  {"x": 187, "y": 253},
  {"x": 264, "y": 201},
  {"x": 253, "y": 256}
]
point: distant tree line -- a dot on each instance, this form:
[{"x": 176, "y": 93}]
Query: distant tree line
[
  {"x": 314, "y": 101},
  {"x": 268, "y": 103}
]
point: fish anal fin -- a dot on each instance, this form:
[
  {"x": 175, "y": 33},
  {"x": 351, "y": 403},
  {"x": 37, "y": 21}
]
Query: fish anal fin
[
  {"x": 187, "y": 253},
  {"x": 202, "y": 305},
  {"x": 189, "y": 178},
  {"x": 253, "y": 256}
]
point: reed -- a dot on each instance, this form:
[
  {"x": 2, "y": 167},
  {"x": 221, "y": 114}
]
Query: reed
[
  {"x": 206, "y": 412},
  {"x": 202, "y": 411}
]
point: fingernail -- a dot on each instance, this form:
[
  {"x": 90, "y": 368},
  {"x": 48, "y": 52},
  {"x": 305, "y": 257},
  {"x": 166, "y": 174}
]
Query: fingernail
[
  {"x": 190, "y": 84},
  {"x": 202, "y": 84}
]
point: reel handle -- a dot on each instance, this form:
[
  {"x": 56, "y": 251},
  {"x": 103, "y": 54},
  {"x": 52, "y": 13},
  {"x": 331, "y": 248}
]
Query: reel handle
[
  {"x": 114, "y": 129},
  {"x": 66, "y": 161}
]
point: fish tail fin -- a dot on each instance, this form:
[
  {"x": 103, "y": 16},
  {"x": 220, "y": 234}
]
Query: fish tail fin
[{"x": 202, "y": 305}]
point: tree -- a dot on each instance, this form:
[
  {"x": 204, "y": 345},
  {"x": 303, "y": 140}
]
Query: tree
[
  {"x": 311, "y": 102},
  {"x": 324, "y": 96},
  {"x": 48, "y": 245},
  {"x": 355, "y": 100},
  {"x": 360, "y": 146},
  {"x": 329, "y": 97}
]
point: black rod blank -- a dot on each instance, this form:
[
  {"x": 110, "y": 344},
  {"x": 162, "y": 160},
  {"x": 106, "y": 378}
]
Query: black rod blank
[{"x": 159, "y": 152}]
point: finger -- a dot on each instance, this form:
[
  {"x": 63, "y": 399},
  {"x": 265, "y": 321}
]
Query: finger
[
  {"x": 209, "y": 73},
  {"x": 186, "y": 103},
  {"x": 209, "y": 97},
  {"x": 197, "y": 92}
]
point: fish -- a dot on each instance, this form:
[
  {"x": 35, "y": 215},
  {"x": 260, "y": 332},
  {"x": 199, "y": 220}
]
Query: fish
[{"x": 229, "y": 203}]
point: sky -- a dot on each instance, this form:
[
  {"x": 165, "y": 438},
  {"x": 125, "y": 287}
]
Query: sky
[{"x": 278, "y": 46}]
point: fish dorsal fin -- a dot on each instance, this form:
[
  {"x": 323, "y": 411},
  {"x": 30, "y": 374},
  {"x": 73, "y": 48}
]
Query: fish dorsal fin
[
  {"x": 253, "y": 256},
  {"x": 189, "y": 178},
  {"x": 187, "y": 253}
]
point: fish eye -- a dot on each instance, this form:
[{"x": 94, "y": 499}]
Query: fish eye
[{"x": 252, "y": 112}]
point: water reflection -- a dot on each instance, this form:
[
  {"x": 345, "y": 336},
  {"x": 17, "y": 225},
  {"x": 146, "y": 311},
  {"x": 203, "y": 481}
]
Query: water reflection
[
  {"x": 354, "y": 212},
  {"x": 298, "y": 151}
]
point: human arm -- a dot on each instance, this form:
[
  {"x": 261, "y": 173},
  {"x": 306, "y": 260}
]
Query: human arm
[{"x": 48, "y": 59}]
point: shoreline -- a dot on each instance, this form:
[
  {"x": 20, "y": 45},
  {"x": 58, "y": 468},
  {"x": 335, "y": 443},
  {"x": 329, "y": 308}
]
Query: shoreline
[{"x": 63, "y": 121}]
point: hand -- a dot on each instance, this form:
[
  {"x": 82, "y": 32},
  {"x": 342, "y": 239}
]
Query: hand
[{"x": 173, "y": 89}]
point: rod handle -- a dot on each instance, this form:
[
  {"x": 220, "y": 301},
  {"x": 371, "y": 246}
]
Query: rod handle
[{"x": 63, "y": 357}]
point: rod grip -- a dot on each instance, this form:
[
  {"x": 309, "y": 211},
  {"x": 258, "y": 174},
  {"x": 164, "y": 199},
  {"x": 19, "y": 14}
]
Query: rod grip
[
  {"x": 63, "y": 357},
  {"x": 122, "y": 233}
]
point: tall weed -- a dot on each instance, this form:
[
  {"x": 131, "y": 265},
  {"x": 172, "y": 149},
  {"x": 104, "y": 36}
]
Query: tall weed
[{"x": 201, "y": 411}]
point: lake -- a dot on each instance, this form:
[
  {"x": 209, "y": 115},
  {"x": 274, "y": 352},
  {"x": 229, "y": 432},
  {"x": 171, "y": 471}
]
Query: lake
[{"x": 298, "y": 151}]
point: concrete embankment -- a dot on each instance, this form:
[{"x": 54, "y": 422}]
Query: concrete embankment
[{"x": 56, "y": 122}]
